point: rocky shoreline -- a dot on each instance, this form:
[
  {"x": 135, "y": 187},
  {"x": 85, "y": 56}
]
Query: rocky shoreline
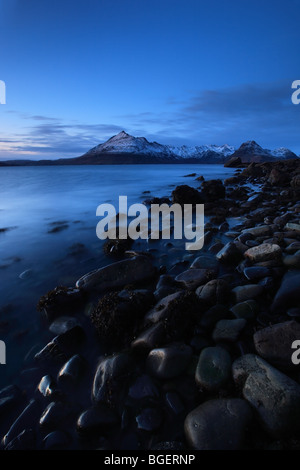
[{"x": 196, "y": 356}]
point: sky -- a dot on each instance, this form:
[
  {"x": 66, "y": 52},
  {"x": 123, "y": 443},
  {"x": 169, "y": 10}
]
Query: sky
[{"x": 177, "y": 72}]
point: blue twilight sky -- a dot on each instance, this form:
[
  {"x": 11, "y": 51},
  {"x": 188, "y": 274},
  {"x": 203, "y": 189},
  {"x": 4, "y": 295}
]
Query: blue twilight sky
[{"x": 175, "y": 71}]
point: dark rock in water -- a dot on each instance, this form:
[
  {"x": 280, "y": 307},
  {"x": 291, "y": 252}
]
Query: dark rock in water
[
  {"x": 149, "y": 419},
  {"x": 54, "y": 415},
  {"x": 28, "y": 419},
  {"x": 186, "y": 195},
  {"x": 256, "y": 272},
  {"x": 274, "y": 396},
  {"x": 56, "y": 440},
  {"x": 110, "y": 379},
  {"x": 63, "y": 324},
  {"x": 213, "y": 315},
  {"x": 218, "y": 424},
  {"x": 143, "y": 387},
  {"x": 214, "y": 292},
  {"x": 247, "y": 310},
  {"x": 229, "y": 254},
  {"x": 118, "y": 315},
  {"x": 229, "y": 330},
  {"x": 117, "y": 247},
  {"x": 190, "y": 175},
  {"x": 213, "y": 369},
  {"x": 293, "y": 312},
  {"x": 292, "y": 261},
  {"x": 72, "y": 371},
  {"x": 47, "y": 387},
  {"x": 9, "y": 396},
  {"x": 96, "y": 419},
  {"x": 170, "y": 361},
  {"x": 274, "y": 342},
  {"x": 26, "y": 440},
  {"x": 247, "y": 292},
  {"x": 165, "y": 286},
  {"x": 212, "y": 190},
  {"x": 288, "y": 294},
  {"x": 60, "y": 301},
  {"x": 216, "y": 247},
  {"x": 51, "y": 353},
  {"x": 151, "y": 338},
  {"x": 193, "y": 278},
  {"x": 118, "y": 274},
  {"x": 62, "y": 346}
]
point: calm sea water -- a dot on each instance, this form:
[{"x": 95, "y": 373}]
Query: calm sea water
[{"x": 34, "y": 201}]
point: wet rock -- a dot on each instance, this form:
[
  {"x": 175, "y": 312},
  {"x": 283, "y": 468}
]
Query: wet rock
[
  {"x": 63, "y": 324},
  {"x": 56, "y": 440},
  {"x": 212, "y": 190},
  {"x": 247, "y": 310},
  {"x": 151, "y": 338},
  {"x": 60, "y": 301},
  {"x": 274, "y": 396},
  {"x": 192, "y": 278},
  {"x": 214, "y": 292},
  {"x": 26, "y": 274},
  {"x": 256, "y": 272},
  {"x": 247, "y": 292},
  {"x": 186, "y": 195},
  {"x": 174, "y": 445},
  {"x": 274, "y": 342},
  {"x": 96, "y": 419},
  {"x": 72, "y": 371},
  {"x": 111, "y": 376},
  {"x": 149, "y": 419},
  {"x": 292, "y": 226},
  {"x": 230, "y": 418},
  {"x": 118, "y": 315},
  {"x": 206, "y": 261},
  {"x": 51, "y": 353},
  {"x": 263, "y": 252},
  {"x": 26, "y": 420},
  {"x": 228, "y": 330},
  {"x": 47, "y": 387},
  {"x": 229, "y": 254},
  {"x": 170, "y": 361},
  {"x": 54, "y": 415},
  {"x": 213, "y": 315},
  {"x": 26, "y": 440},
  {"x": 213, "y": 369},
  {"x": 292, "y": 261},
  {"x": 128, "y": 271},
  {"x": 143, "y": 387},
  {"x": 165, "y": 286},
  {"x": 9, "y": 397},
  {"x": 117, "y": 247},
  {"x": 259, "y": 231},
  {"x": 288, "y": 294}
]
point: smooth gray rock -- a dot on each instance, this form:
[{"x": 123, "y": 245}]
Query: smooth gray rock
[
  {"x": 193, "y": 278},
  {"x": 218, "y": 424},
  {"x": 274, "y": 396},
  {"x": 214, "y": 292},
  {"x": 213, "y": 369},
  {"x": 96, "y": 419},
  {"x": 247, "y": 309},
  {"x": 229, "y": 330},
  {"x": 263, "y": 252},
  {"x": 274, "y": 342}
]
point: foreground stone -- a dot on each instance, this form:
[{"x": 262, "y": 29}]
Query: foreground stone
[
  {"x": 274, "y": 396},
  {"x": 274, "y": 342},
  {"x": 218, "y": 424},
  {"x": 117, "y": 274},
  {"x": 213, "y": 369},
  {"x": 288, "y": 293},
  {"x": 264, "y": 252},
  {"x": 169, "y": 362}
]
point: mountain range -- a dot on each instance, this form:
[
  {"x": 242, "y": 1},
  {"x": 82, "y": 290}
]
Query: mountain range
[{"x": 126, "y": 149}]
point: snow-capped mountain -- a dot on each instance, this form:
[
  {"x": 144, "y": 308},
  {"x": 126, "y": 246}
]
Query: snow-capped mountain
[
  {"x": 127, "y": 144},
  {"x": 251, "y": 151}
]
